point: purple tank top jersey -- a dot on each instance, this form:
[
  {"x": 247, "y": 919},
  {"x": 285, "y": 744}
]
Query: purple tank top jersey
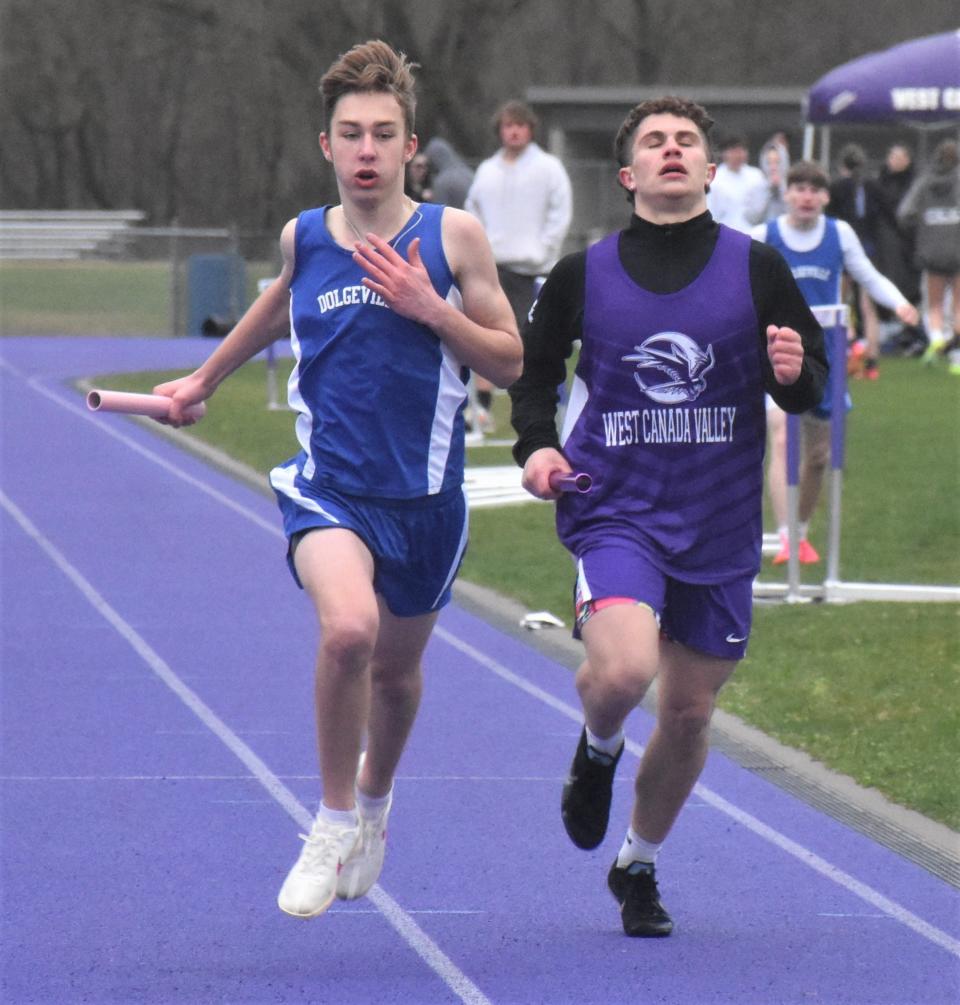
[{"x": 666, "y": 413}]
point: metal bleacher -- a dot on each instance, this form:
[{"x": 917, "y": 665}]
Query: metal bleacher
[{"x": 65, "y": 234}]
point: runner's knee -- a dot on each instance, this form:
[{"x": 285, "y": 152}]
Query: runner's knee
[
  {"x": 348, "y": 639},
  {"x": 623, "y": 680},
  {"x": 686, "y": 721},
  {"x": 396, "y": 683}
]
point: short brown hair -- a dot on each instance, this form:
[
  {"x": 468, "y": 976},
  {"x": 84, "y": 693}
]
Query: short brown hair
[
  {"x": 514, "y": 111},
  {"x": 946, "y": 156},
  {"x": 852, "y": 157},
  {"x": 370, "y": 68},
  {"x": 808, "y": 173},
  {"x": 683, "y": 108}
]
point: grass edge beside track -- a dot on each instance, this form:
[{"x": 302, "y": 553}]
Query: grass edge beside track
[{"x": 894, "y": 784}]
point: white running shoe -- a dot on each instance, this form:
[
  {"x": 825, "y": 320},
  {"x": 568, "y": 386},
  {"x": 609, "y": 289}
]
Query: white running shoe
[
  {"x": 311, "y": 884},
  {"x": 363, "y": 867}
]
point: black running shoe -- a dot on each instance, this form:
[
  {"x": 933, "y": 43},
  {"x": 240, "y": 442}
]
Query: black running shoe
[
  {"x": 635, "y": 888},
  {"x": 585, "y": 805}
]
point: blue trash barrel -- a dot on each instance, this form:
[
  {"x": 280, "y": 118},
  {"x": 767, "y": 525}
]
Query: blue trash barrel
[{"x": 216, "y": 293}]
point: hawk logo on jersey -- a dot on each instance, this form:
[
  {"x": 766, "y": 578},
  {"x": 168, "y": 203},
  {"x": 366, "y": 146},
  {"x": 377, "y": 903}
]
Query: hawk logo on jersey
[{"x": 670, "y": 367}]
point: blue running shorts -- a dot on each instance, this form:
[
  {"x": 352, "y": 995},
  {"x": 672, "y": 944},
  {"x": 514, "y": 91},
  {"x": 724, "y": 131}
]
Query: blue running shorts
[
  {"x": 713, "y": 618},
  {"x": 417, "y": 544}
]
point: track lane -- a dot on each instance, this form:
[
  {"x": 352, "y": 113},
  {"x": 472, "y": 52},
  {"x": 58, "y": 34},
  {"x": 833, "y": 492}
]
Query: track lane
[{"x": 477, "y": 856}]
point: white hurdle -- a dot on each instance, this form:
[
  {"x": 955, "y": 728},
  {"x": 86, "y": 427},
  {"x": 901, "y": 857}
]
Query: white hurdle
[
  {"x": 274, "y": 404},
  {"x": 834, "y": 320}
]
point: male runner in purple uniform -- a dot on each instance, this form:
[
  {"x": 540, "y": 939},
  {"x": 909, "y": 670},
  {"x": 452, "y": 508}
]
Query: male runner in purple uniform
[{"x": 683, "y": 325}]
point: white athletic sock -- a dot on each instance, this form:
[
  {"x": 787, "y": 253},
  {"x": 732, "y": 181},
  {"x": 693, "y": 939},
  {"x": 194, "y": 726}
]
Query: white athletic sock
[
  {"x": 610, "y": 745},
  {"x": 803, "y": 529},
  {"x": 348, "y": 817},
  {"x": 635, "y": 849},
  {"x": 370, "y": 806}
]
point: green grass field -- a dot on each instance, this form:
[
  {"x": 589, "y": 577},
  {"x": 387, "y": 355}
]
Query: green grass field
[
  {"x": 869, "y": 689},
  {"x": 85, "y": 298},
  {"x": 93, "y": 297}
]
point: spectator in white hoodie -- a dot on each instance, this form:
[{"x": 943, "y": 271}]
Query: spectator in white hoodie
[
  {"x": 523, "y": 198},
  {"x": 739, "y": 193}
]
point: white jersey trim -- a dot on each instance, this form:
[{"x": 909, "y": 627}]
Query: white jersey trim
[
  {"x": 461, "y": 547},
  {"x": 451, "y": 393},
  {"x": 304, "y": 422},
  {"x": 575, "y": 406},
  {"x": 282, "y": 479}
]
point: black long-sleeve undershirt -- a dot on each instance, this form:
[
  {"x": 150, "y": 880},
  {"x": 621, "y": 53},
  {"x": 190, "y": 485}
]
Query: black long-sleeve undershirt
[{"x": 661, "y": 259}]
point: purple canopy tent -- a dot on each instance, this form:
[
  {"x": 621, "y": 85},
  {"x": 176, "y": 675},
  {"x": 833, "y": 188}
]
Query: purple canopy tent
[{"x": 915, "y": 82}]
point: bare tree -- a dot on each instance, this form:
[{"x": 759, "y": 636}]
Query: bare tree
[{"x": 208, "y": 110}]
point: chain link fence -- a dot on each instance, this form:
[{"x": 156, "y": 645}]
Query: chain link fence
[
  {"x": 211, "y": 274},
  {"x": 152, "y": 281},
  {"x": 175, "y": 281}
]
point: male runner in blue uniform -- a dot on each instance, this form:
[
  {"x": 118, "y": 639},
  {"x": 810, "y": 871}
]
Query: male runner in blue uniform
[
  {"x": 683, "y": 323},
  {"x": 818, "y": 249},
  {"x": 390, "y": 304}
]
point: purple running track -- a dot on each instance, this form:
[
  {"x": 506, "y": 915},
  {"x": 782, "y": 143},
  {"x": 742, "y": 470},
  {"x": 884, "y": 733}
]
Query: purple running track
[{"x": 158, "y": 761}]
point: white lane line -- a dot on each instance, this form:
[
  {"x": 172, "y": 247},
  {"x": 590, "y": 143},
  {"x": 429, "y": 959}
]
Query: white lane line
[
  {"x": 347, "y": 911},
  {"x": 509, "y": 779},
  {"x": 106, "y": 426},
  {"x": 481, "y": 489},
  {"x": 820, "y": 865},
  {"x": 862, "y": 914},
  {"x": 409, "y": 930},
  {"x": 781, "y": 841},
  {"x": 149, "y": 778},
  {"x": 241, "y": 802}
]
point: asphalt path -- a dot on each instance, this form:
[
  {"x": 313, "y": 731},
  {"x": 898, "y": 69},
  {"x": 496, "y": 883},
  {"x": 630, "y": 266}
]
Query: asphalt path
[{"x": 158, "y": 761}]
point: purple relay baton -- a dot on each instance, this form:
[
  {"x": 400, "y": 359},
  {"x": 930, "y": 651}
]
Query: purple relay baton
[{"x": 578, "y": 481}]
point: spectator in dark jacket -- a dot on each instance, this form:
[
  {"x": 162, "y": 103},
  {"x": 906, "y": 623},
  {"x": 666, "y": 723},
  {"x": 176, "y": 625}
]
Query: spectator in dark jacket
[
  {"x": 932, "y": 206},
  {"x": 855, "y": 198},
  {"x": 450, "y": 174},
  {"x": 894, "y": 241}
]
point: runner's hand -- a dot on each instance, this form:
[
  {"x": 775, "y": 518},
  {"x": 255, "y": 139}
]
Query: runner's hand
[
  {"x": 536, "y": 472},
  {"x": 785, "y": 349},
  {"x": 183, "y": 392},
  {"x": 908, "y": 314},
  {"x": 403, "y": 282}
]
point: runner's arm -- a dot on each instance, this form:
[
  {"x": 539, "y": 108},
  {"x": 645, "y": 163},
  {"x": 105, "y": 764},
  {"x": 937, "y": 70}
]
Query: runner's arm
[
  {"x": 779, "y": 302},
  {"x": 266, "y": 320},
  {"x": 548, "y": 340},
  {"x": 882, "y": 290}
]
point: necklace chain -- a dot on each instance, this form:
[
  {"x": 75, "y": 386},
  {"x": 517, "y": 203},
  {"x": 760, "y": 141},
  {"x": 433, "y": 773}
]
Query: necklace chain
[
  {"x": 360, "y": 236},
  {"x": 407, "y": 207}
]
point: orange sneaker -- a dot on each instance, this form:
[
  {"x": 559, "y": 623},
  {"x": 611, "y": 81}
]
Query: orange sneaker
[
  {"x": 783, "y": 555},
  {"x": 856, "y": 358},
  {"x": 807, "y": 553}
]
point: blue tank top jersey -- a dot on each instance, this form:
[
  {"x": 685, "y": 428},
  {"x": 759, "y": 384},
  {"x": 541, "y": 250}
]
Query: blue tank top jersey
[
  {"x": 818, "y": 273},
  {"x": 666, "y": 413},
  {"x": 380, "y": 397}
]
